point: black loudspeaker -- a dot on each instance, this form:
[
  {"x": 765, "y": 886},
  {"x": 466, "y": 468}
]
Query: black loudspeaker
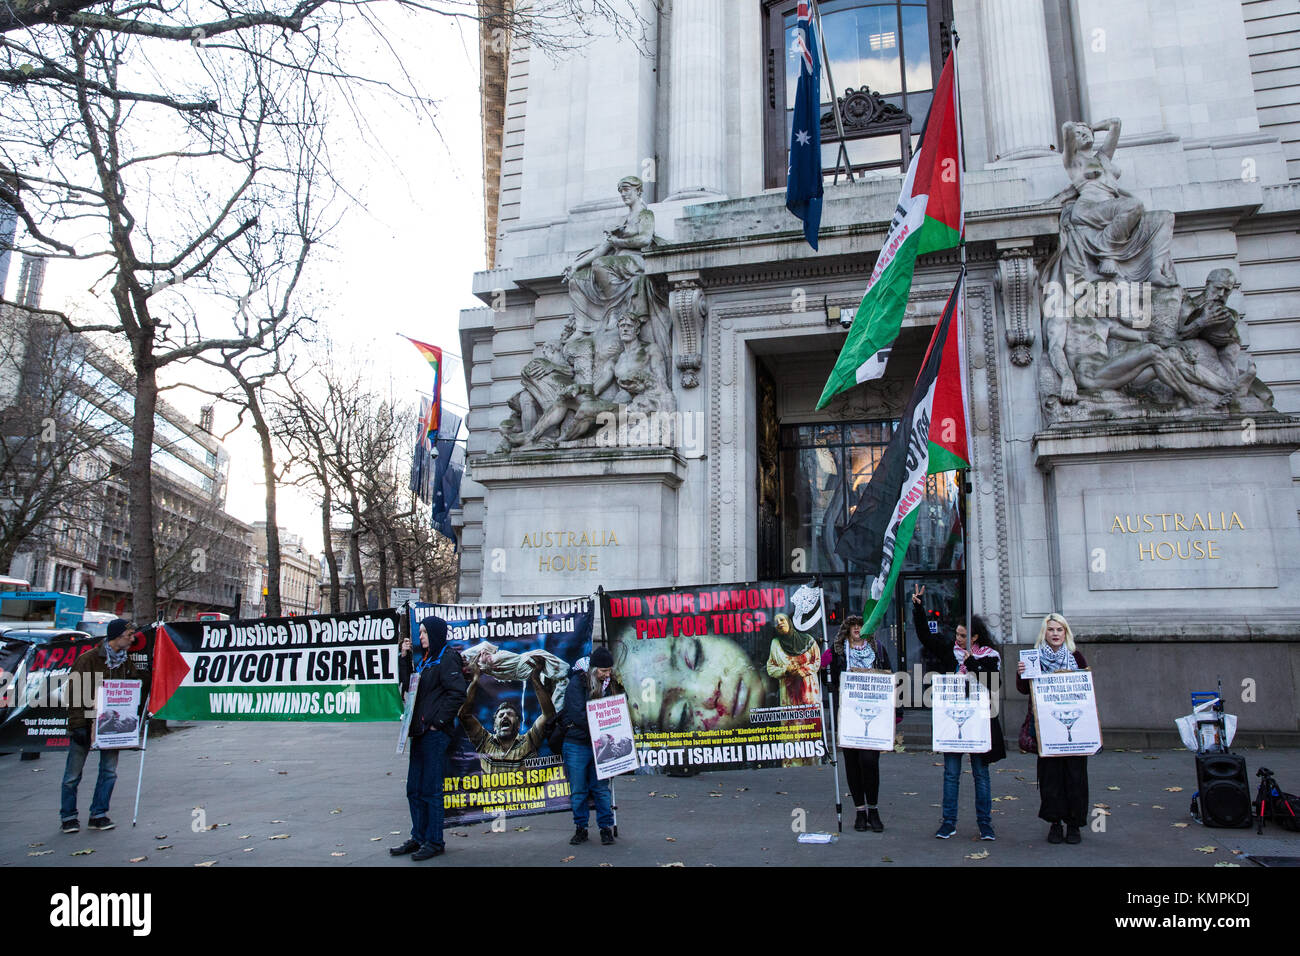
[{"x": 1224, "y": 792}]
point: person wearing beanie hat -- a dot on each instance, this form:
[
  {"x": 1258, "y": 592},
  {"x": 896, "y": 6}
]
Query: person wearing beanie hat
[
  {"x": 108, "y": 659},
  {"x": 438, "y": 696},
  {"x": 579, "y": 760}
]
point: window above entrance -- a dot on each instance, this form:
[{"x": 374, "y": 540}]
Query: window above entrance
[{"x": 885, "y": 58}]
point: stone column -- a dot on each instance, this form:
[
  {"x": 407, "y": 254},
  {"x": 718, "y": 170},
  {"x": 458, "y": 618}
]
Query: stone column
[
  {"x": 1017, "y": 79},
  {"x": 696, "y": 118}
]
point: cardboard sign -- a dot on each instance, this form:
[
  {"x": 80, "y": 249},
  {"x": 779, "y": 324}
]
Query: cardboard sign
[
  {"x": 117, "y": 715},
  {"x": 1030, "y": 659},
  {"x": 960, "y": 716},
  {"x": 1065, "y": 714},
  {"x": 866, "y": 713},
  {"x": 610, "y": 726}
]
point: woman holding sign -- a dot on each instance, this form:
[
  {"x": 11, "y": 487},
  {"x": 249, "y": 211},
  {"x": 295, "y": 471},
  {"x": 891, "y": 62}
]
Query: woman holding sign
[
  {"x": 853, "y": 652},
  {"x": 1062, "y": 781},
  {"x": 954, "y": 657}
]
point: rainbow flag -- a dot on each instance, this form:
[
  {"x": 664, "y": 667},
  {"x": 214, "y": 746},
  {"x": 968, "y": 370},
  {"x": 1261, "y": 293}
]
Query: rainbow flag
[{"x": 433, "y": 355}]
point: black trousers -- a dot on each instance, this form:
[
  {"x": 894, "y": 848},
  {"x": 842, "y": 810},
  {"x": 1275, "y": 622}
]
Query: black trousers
[
  {"x": 1063, "y": 790},
  {"x": 863, "y": 770}
]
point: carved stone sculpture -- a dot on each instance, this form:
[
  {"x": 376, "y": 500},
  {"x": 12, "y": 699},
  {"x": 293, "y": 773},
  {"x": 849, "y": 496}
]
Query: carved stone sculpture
[
  {"x": 614, "y": 350},
  {"x": 1120, "y": 337}
]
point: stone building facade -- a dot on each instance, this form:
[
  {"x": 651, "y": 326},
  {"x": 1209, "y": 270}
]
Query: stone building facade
[{"x": 1101, "y": 507}]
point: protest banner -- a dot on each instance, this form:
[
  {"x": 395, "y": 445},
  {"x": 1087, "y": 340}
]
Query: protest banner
[
  {"x": 34, "y": 704},
  {"x": 117, "y": 715},
  {"x": 321, "y": 667},
  {"x": 960, "y": 715},
  {"x": 1065, "y": 714},
  {"x": 866, "y": 718},
  {"x": 517, "y": 659},
  {"x": 610, "y": 728},
  {"x": 720, "y": 676}
]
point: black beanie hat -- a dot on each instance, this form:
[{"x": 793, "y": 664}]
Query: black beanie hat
[
  {"x": 116, "y": 628},
  {"x": 601, "y": 657}
]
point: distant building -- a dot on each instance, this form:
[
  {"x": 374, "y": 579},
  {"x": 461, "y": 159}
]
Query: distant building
[
  {"x": 202, "y": 551},
  {"x": 300, "y": 574}
]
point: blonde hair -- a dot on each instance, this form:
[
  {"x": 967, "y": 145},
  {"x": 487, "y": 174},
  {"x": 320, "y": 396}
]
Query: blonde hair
[{"x": 1059, "y": 619}]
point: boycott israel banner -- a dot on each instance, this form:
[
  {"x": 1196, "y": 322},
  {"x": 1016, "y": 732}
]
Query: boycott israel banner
[
  {"x": 720, "y": 676},
  {"x": 322, "y": 667},
  {"x": 1065, "y": 714},
  {"x": 960, "y": 720},
  {"x": 866, "y": 710},
  {"x": 517, "y": 660},
  {"x": 34, "y": 701}
]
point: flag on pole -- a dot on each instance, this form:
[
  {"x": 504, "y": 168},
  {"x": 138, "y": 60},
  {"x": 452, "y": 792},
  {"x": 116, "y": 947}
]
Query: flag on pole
[
  {"x": 169, "y": 670},
  {"x": 930, "y": 438},
  {"x": 803, "y": 185},
  {"x": 433, "y": 355},
  {"x": 929, "y": 217}
]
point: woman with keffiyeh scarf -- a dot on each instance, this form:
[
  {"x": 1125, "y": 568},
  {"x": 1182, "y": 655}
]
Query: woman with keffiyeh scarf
[
  {"x": 1062, "y": 781},
  {"x": 957, "y": 658}
]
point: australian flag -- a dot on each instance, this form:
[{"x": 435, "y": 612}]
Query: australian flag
[{"x": 803, "y": 186}]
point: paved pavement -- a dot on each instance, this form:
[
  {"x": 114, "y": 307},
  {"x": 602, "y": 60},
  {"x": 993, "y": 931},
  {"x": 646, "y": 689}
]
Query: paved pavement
[{"x": 333, "y": 795}]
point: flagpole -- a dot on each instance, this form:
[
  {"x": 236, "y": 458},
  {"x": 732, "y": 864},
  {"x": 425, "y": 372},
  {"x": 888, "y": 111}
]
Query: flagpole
[
  {"x": 835, "y": 106},
  {"x": 968, "y": 486}
]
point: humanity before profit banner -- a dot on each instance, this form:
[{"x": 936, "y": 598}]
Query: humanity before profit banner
[
  {"x": 517, "y": 659},
  {"x": 720, "y": 676},
  {"x": 321, "y": 667}
]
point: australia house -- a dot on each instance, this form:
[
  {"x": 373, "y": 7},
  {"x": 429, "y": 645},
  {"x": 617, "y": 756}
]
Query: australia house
[{"x": 655, "y": 330}]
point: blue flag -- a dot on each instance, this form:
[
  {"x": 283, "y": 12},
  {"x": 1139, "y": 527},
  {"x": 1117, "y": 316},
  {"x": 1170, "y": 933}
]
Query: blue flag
[{"x": 803, "y": 186}]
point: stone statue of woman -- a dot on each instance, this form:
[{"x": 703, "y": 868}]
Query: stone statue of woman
[
  {"x": 609, "y": 280},
  {"x": 1105, "y": 232}
]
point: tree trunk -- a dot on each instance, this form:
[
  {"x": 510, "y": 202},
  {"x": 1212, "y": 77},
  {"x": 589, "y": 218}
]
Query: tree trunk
[
  {"x": 383, "y": 569},
  {"x": 330, "y": 559},
  {"x": 144, "y": 575},
  {"x": 354, "y": 540},
  {"x": 272, "y": 529}
]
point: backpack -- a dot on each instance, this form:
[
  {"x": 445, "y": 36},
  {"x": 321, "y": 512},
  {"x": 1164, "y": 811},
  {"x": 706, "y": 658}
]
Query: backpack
[{"x": 1272, "y": 803}]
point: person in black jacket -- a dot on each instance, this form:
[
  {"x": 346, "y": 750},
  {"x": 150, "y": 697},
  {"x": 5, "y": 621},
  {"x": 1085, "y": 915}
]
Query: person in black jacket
[
  {"x": 579, "y": 761},
  {"x": 955, "y": 657},
  {"x": 438, "y": 696},
  {"x": 852, "y": 651}
]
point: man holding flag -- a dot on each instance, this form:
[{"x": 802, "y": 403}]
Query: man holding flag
[
  {"x": 928, "y": 218},
  {"x": 803, "y": 189}
]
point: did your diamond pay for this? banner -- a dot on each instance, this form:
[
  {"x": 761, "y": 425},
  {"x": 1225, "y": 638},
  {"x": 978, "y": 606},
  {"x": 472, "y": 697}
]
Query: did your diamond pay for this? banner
[
  {"x": 321, "y": 667},
  {"x": 721, "y": 676},
  {"x": 500, "y": 762}
]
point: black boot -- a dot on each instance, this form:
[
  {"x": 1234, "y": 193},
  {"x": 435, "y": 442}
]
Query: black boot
[
  {"x": 1054, "y": 835},
  {"x": 873, "y": 819},
  {"x": 579, "y": 836},
  {"x": 1072, "y": 834},
  {"x": 860, "y": 822}
]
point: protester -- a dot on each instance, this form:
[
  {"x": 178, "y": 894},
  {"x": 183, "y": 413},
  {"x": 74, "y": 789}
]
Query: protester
[
  {"x": 1062, "y": 781},
  {"x": 851, "y": 651},
  {"x": 107, "y": 660},
  {"x": 438, "y": 696},
  {"x": 952, "y": 656},
  {"x": 579, "y": 761}
]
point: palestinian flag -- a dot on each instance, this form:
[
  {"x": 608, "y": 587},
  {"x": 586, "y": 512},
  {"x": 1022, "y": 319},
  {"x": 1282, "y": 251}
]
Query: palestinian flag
[
  {"x": 169, "y": 670},
  {"x": 928, "y": 218},
  {"x": 930, "y": 438},
  {"x": 433, "y": 355}
]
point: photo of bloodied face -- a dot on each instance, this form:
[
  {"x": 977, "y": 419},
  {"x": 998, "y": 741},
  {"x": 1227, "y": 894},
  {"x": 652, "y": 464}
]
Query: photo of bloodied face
[{"x": 702, "y": 660}]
